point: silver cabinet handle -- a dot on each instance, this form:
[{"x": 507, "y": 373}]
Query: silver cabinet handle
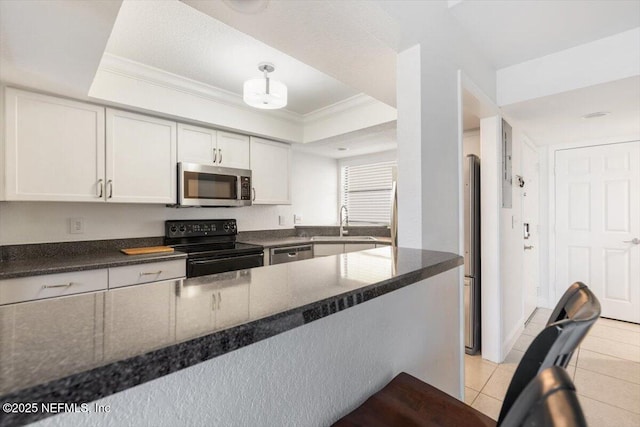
[
  {"x": 527, "y": 247},
  {"x": 215, "y": 156},
  {"x": 220, "y": 152},
  {"x": 213, "y": 302},
  {"x": 100, "y": 187},
  {"x": 635, "y": 241},
  {"x": 64, "y": 285},
  {"x": 151, "y": 273},
  {"x": 110, "y": 184},
  {"x": 254, "y": 194}
]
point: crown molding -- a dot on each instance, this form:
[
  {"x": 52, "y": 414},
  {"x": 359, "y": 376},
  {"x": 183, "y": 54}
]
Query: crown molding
[
  {"x": 128, "y": 68},
  {"x": 356, "y": 101}
]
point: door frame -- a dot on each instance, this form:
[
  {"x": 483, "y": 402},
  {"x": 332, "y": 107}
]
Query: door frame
[
  {"x": 551, "y": 214},
  {"x": 527, "y": 141}
]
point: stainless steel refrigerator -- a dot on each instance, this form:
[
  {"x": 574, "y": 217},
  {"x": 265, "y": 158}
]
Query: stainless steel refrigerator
[{"x": 472, "y": 254}]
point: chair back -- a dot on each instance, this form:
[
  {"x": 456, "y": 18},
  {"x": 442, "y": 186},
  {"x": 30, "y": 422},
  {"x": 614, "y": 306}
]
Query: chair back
[
  {"x": 574, "y": 315},
  {"x": 548, "y": 400}
]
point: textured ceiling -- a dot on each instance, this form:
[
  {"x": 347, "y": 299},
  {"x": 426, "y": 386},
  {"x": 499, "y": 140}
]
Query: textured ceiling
[
  {"x": 174, "y": 37},
  {"x": 509, "y": 32},
  {"x": 374, "y": 139},
  {"x": 557, "y": 119}
]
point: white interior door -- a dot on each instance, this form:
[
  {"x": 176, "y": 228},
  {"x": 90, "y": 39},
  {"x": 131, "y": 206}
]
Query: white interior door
[
  {"x": 530, "y": 215},
  {"x": 597, "y": 222}
]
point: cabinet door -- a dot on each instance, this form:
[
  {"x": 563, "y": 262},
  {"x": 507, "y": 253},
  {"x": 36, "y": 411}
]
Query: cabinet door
[
  {"x": 355, "y": 247},
  {"x": 139, "y": 319},
  {"x": 271, "y": 172},
  {"x": 327, "y": 249},
  {"x": 195, "y": 312},
  {"x": 232, "y": 305},
  {"x": 196, "y": 144},
  {"x": 233, "y": 150},
  {"x": 54, "y": 148},
  {"x": 46, "y": 340},
  {"x": 141, "y": 159}
]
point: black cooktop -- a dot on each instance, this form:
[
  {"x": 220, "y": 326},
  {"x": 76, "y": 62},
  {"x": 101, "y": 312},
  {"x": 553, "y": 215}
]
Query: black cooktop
[{"x": 207, "y": 238}]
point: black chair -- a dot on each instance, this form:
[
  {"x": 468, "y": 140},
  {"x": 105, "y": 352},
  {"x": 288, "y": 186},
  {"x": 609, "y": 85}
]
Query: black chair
[
  {"x": 571, "y": 319},
  {"x": 407, "y": 401}
]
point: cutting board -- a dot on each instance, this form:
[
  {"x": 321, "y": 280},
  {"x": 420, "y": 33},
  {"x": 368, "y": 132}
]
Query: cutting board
[{"x": 147, "y": 250}]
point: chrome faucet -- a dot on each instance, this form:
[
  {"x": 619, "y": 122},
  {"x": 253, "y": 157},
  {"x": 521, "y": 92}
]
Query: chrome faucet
[{"x": 346, "y": 219}]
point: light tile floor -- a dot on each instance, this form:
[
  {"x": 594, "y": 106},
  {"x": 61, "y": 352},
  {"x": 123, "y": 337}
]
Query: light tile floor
[{"x": 605, "y": 370}]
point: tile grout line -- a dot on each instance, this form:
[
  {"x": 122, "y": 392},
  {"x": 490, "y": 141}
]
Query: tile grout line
[
  {"x": 608, "y": 403},
  {"x": 610, "y": 355},
  {"x": 606, "y": 375}
]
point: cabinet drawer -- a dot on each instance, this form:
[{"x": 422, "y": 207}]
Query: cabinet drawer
[
  {"x": 146, "y": 273},
  {"x": 51, "y": 285}
]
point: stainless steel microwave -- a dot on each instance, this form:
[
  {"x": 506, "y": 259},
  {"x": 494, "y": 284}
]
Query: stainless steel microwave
[{"x": 204, "y": 185}]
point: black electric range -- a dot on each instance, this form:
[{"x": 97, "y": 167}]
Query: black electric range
[{"x": 211, "y": 246}]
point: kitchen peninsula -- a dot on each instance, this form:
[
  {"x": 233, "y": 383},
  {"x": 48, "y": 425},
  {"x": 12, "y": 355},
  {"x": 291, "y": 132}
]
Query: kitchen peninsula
[{"x": 291, "y": 344}]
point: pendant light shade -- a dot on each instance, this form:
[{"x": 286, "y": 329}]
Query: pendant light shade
[{"x": 265, "y": 93}]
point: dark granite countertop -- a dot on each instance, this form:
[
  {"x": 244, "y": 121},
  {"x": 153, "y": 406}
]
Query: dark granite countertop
[
  {"x": 278, "y": 242},
  {"x": 105, "y": 342},
  {"x": 89, "y": 261}
]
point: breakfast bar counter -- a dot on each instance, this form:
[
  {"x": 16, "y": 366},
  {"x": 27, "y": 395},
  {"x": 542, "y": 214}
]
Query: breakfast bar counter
[{"x": 103, "y": 345}]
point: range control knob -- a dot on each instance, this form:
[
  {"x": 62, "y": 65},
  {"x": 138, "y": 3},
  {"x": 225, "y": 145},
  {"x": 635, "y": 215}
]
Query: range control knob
[
  {"x": 173, "y": 229},
  {"x": 182, "y": 228},
  {"x": 226, "y": 227}
]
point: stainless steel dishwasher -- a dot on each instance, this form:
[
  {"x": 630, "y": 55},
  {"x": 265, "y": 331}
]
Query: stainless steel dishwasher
[{"x": 290, "y": 254}]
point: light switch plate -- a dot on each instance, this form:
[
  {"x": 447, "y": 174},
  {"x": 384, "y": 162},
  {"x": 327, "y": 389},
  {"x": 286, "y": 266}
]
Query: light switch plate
[
  {"x": 281, "y": 219},
  {"x": 297, "y": 219}
]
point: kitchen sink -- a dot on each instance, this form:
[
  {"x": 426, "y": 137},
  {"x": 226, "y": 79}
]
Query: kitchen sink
[{"x": 342, "y": 238}]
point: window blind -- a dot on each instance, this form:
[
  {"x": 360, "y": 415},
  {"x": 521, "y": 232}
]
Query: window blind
[{"x": 366, "y": 192}]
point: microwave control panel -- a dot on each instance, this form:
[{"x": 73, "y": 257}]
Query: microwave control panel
[
  {"x": 200, "y": 228},
  {"x": 245, "y": 188}
]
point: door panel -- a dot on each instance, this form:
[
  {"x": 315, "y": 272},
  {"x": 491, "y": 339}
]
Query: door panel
[{"x": 597, "y": 218}]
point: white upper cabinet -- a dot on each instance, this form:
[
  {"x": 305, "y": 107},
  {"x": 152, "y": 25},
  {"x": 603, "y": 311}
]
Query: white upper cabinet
[
  {"x": 271, "y": 172},
  {"x": 141, "y": 159},
  {"x": 196, "y": 144},
  {"x": 55, "y": 148},
  {"x": 233, "y": 150},
  {"x": 207, "y": 146}
]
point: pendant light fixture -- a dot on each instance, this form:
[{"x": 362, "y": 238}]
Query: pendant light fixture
[{"x": 265, "y": 93}]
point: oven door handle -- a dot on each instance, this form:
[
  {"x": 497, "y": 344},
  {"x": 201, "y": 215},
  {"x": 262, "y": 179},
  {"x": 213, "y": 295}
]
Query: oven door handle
[{"x": 210, "y": 260}]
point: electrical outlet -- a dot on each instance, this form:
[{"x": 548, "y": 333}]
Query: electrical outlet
[
  {"x": 297, "y": 219},
  {"x": 76, "y": 225}
]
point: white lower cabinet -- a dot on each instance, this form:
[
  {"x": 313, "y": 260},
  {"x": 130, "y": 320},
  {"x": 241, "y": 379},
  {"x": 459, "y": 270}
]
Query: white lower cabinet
[
  {"x": 146, "y": 273},
  {"x": 51, "y": 285},
  {"x": 269, "y": 291},
  {"x": 355, "y": 247},
  {"x": 327, "y": 249},
  {"x": 38, "y": 344},
  {"x": 204, "y": 308},
  {"x": 139, "y": 319}
]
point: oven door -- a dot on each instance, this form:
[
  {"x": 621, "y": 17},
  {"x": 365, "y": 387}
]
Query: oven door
[
  {"x": 204, "y": 266},
  {"x": 203, "y": 185}
]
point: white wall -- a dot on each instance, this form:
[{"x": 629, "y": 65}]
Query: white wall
[
  {"x": 309, "y": 376},
  {"x": 501, "y": 245},
  {"x": 604, "y": 60},
  {"x": 471, "y": 143},
  {"x": 314, "y": 197},
  {"x": 511, "y": 248}
]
